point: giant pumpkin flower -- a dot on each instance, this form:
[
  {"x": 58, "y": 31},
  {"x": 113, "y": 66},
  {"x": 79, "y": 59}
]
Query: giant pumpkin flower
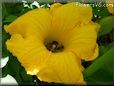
[{"x": 51, "y": 42}]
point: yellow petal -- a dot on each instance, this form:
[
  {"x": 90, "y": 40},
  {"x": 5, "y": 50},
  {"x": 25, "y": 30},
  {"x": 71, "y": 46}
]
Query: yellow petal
[
  {"x": 37, "y": 22},
  {"x": 110, "y": 6},
  {"x": 54, "y": 6},
  {"x": 27, "y": 38},
  {"x": 82, "y": 41},
  {"x": 68, "y": 16},
  {"x": 31, "y": 52},
  {"x": 70, "y": 24},
  {"x": 61, "y": 68}
]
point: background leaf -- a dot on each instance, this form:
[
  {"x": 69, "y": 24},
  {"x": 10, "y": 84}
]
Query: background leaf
[
  {"x": 10, "y": 18},
  {"x": 99, "y": 12},
  {"x": 107, "y": 24},
  {"x": 101, "y": 70}
]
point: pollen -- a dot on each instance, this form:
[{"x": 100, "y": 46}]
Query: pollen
[{"x": 54, "y": 46}]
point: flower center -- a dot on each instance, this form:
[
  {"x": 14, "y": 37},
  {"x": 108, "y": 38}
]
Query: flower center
[{"x": 54, "y": 46}]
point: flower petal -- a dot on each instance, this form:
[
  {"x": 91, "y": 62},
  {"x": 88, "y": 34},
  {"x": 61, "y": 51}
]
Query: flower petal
[
  {"x": 54, "y": 6},
  {"x": 31, "y": 52},
  {"x": 82, "y": 41},
  {"x": 68, "y": 16},
  {"x": 37, "y": 22},
  {"x": 28, "y": 33},
  {"x": 61, "y": 68}
]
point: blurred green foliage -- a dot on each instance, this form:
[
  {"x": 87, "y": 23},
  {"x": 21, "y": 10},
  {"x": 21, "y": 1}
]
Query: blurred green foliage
[
  {"x": 107, "y": 24},
  {"x": 100, "y": 71}
]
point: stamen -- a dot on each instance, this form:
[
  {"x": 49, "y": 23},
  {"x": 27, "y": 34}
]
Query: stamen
[{"x": 54, "y": 46}]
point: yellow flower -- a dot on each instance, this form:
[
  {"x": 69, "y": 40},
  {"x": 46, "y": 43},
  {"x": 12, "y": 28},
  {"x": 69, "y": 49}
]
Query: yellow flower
[
  {"x": 50, "y": 42},
  {"x": 110, "y": 6}
]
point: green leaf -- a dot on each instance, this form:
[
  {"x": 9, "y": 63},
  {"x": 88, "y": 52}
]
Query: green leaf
[
  {"x": 99, "y": 63},
  {"x": 13, "y": 61},
  {"x": 107, "y": 24},
  {"x": 103, "y": 75},
  {"x": 5, "y": 71},
  {"x": 104, "y": 48},
  {"x": 5, "y": 36},
  {"x": 4, "y": 12},
  {"x": 18, "y": 8},
  {"x": 10, "y": 18},
  {"x": 101, "y": 71},
  {"x": 99, "y": 12},
  {"x": 26, "y": 77}
]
